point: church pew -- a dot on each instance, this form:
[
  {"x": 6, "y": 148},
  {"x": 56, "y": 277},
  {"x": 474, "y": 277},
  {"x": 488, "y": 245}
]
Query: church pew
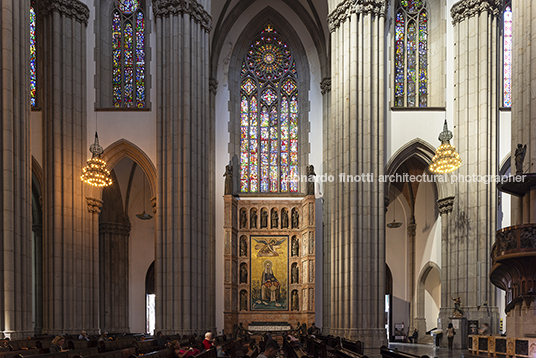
[
  {"x": 164, "y": 353},
  {"x": 24, "y": 352},
  {"x": 108, "y": 346},
  {"x": 232, "y": 347},
  {"x": 145, "y": 346},
  {"x": 293, "y": 350},
  {"x": 121, "y": 353},
  {"x": 211, "y": 353},
  {"x": 69, "y": 354},
  {"x": 356, "y": 347},
  {"x": 80, "y": 344},
  {"x": 395, "y": 353}
]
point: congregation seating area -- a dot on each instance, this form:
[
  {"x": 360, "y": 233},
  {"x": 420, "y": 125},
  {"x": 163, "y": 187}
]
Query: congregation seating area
[{"x": 131, "y": 346}]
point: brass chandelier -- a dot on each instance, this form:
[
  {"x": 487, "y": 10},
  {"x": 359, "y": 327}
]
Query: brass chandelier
[
  {"x": 446, "y": 159},
  {"x": 95, "y": 172}
]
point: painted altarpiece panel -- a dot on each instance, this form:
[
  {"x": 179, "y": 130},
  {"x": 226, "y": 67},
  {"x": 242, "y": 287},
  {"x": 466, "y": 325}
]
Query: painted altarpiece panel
[{"x": 269, "y": 273}]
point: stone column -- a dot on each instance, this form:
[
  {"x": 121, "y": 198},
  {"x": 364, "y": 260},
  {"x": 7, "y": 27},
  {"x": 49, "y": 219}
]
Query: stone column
[
  {"x": 69, "y": 281},
  {"x": 355, "y": 141},
  {"x": 473, "y": 219},
  {"x": 185, "y": 240},
  {"x": 15, "y": 183},
  {"x": 523, "y": 102},
  {"x": 325, "y": 88},
  {"x": 445, "y": 206},
  {"x": 414, "y": 316},
  {"x": 93, "y": 206},
  {"x": 113, "y": 268},
  {"x": 519, "y": 273}
]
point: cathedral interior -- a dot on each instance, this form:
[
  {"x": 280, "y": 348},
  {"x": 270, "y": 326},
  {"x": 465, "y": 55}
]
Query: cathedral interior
[{"x": 190, "y": 165}]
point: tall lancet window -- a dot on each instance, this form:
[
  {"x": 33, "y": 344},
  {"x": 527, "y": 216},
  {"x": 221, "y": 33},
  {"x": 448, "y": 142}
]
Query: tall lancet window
[
  {"x": 411, "y": 54},
  {"x": 507, "y": 60},
  {"x": 128, "y": 54},
  {"x": 269, "y": 117},
  {"x": 33, "y": 71}
]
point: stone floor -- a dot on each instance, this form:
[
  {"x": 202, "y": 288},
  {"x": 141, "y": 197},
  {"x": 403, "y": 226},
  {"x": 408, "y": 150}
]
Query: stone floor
[{"x": 420, "y": 350}]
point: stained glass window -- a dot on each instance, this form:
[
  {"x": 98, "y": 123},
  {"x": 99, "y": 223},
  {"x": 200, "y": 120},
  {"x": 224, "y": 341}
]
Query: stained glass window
[
  {"x": 507, "y": 60},
  {"x": 411, "y": 54},
  {"x": 128, "y": 54},
  {"x": 33, "y": 72},
  {"x": 269, "y": 117}
]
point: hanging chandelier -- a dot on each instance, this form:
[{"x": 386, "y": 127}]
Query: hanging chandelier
[
  {"x": 95, "y": 172},
  {"x": 446, "y": 159},
  {"x": 395, "y": 224}
]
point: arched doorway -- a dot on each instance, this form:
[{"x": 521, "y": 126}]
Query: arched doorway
[
  {"x": 428, "y": 297},
  {"x": 126, "y": 238}
]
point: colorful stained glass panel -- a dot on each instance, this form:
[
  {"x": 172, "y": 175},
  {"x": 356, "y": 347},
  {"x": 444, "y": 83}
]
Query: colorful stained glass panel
[
  {"x": 270, "y": 70},
  {"x": 33, "y": 64},
  {"x": 507, "y": 60},
  {"x": 128, "y": 6},
  {"x": 140, "y": 60},
  {"x": 248, "y": 86}
]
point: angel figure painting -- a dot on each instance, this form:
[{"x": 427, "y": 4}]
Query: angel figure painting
[{"x": 269, "y": 273}]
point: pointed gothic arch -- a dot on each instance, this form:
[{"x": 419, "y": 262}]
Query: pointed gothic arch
[
  {"x": 421, "y": 281},
  {"x": 122, "y": 149}
]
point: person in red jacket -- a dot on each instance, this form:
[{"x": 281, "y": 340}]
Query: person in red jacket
[{"x": 209, "y": 341}]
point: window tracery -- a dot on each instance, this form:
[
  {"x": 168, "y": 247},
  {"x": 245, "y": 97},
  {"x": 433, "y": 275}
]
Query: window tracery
[{"x": 269, "y": 117}]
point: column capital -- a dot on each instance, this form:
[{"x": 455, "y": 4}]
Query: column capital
[
  {"x": 412, "y": 228},
  {"x": 445, "y": 205},
  {"x": 465, "y": 9},
  {"x": 153, "y": 204},
  {"x": 213, "y": 85},
  {"x": 325, "y": 85},
  {"x": 348, "y": 7},
  {"x": 165, "y": 8},
  {"x": 93, "y": 205},
  {"x": 70, "y": 8}
]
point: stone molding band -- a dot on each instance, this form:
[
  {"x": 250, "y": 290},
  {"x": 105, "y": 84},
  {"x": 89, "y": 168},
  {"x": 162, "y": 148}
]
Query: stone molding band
[
  {"x": 114, "y": 228},
  {"x": 465, "y": 9},
  {"x": 165, "y": 8},
  {"x": 348, "y": 7},
  {"x": 70, "y": 8}
]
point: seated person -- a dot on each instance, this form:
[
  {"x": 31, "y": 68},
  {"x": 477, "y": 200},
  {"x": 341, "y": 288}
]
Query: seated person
[
  {"x": 208, "y": 342},
  {"x": 83, "y": 335},
  {"x": 413, "y": 338},
  {"x": 57, "y": 344},
  {"x": 270, "y": 350}
]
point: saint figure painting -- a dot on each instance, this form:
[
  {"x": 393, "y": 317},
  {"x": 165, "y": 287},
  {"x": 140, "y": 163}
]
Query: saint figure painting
[{"x": 269, "y": 273}]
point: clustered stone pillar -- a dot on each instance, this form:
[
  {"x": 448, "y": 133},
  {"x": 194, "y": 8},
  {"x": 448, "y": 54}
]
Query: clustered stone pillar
[
  {"x": 355, "y": 211},
  {"x": 520, "y": 280},
  {"x": 472, "y": 223},
  {"x": 16, "y": 200},
  {"x": 523, "y": 103},
  {"x": 70, "y": 277},
  {"x": 185, "y": 286},
  {"x": 113, "y": 268}
]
